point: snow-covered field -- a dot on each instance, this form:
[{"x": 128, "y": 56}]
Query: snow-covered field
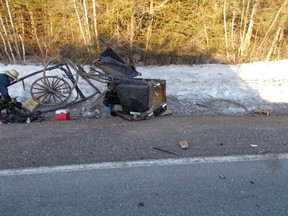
[{"x": 227, "y": 89}]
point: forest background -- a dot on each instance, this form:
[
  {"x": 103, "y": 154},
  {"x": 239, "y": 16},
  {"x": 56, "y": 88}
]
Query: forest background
[{"x": 146, "y": 32}]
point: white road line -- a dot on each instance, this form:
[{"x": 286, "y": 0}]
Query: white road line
[{"x": 142, "y": 163}]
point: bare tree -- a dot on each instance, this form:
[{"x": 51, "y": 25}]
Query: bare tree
[
  {"x": 80, "y": 22},
  {"x": 232, "y": 30},
  {"x": 5, "y": 49},
  {"x": 285, "y": 3},
  {"x": 7, "y": 41},
  {"x": 95, "y": 23},
  {"x": 225, "y": 29},
  {"x": 247, "y": 32},
  {"x": 34, "y": 27},
  {"x": 23, "y": 48},
  {"x": 272, "y": 47},
  {"x": 13, "y": 31},
  {"x": 151, "y": 11},
  {"x": 86, "y": 21}
]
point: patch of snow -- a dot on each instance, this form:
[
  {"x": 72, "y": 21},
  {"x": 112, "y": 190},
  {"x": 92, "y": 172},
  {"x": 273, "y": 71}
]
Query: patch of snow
[{"x": 190, "y": 89}]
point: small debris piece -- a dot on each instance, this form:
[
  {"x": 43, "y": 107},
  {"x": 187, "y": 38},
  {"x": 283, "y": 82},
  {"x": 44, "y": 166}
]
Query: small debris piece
[
  {"x": 166, "y": 112},
  {"x": 28, "y": 120},
  {"x": 183, "y": 144},
  {"x": 164, "y": 150},
  {"x": 221, "y": 176},
  {"x": 253, "y": 145},
  {"x": 30, "y": 105},
  {"x": 262, "y": 111},
  {"x": 141, "y": 204},
  {"x": 252, "y": 182}
]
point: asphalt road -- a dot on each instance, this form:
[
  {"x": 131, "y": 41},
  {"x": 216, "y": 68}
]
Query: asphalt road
[
  {"x": 250, "y": 187},
  {"x": 84, "y": 141}
]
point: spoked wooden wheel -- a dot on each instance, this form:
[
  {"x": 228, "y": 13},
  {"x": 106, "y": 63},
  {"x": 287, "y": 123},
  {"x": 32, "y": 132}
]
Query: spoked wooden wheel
[{"x": 51, "y": 90}]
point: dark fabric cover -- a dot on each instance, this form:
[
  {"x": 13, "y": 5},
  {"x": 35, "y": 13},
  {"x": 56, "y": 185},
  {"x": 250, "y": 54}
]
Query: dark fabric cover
[
  {"x": 110, "y": 63},
  {"x": 108, "y": 52}
]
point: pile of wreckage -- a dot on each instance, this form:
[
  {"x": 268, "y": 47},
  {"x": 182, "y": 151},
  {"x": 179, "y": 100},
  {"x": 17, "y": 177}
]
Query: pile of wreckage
[{"x": 126, "y": 96}]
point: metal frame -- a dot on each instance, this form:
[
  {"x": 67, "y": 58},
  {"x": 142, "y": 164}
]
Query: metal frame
[{"x": 54, "y": 91}]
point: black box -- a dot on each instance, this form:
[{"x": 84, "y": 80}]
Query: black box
[{"x": 142, "y": 95}]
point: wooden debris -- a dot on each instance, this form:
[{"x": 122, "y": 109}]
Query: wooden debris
[
  {"x": 261, "y": 111},
  {"x": 183, "y": 144}
]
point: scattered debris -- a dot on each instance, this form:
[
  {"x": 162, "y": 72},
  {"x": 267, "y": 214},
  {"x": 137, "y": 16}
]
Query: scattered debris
[
  {"x": 252, "y": 182},
  {"x": 215, "y": 105},
  {"x": 28, "y": 120},
  {"x": 141, "y": 204},
  {"x": 221, "y": 176},
  {"x": 253, "y": 145},
  {"x": 30, "y": 105},
  {"x": 164, "y": 150},
  {"x": 183, "y": 144},
  {"x": 262, "y": 111}
]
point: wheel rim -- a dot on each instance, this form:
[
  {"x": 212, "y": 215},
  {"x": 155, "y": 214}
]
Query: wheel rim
[{"x": 51, "y": 90}]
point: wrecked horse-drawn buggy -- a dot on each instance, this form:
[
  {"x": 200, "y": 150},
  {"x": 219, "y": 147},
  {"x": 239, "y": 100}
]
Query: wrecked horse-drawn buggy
[{"x": 125, "y": 94}]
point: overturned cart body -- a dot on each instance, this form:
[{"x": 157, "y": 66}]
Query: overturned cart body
[
  {"x": 127, "y": 96},
  {"x": 138, "y": 97}
]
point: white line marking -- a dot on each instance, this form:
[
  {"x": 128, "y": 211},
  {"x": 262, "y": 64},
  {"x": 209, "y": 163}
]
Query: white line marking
[{"x": 142, "y": 163}]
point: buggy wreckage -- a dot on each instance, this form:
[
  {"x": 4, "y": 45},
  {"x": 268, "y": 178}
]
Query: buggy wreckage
[{"x": 125, "y": 95}]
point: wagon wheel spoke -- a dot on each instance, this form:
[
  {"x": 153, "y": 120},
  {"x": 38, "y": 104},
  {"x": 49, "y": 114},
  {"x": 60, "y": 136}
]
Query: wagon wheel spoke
[{"x": 50, "y": 90}]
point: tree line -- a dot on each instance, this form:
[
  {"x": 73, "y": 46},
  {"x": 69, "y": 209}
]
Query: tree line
[{"x": 146, "y": 31}]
